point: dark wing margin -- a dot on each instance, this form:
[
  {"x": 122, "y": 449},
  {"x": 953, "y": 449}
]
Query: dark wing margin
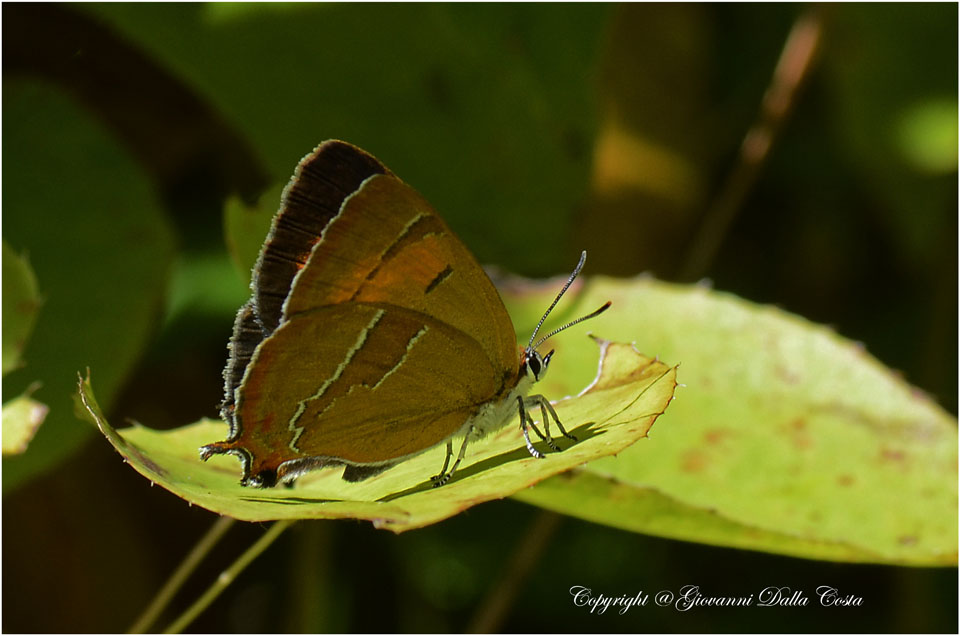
[
  {"x": 247, "y": 334},
  {"x": 322, "y": 181}
]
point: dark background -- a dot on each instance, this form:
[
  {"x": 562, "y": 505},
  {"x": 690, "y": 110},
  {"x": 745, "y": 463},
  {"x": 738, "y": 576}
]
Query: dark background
[{"x": 499, "y": 115}]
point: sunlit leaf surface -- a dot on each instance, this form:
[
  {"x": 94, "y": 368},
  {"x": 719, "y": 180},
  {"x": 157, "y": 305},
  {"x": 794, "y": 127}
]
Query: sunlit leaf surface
[
  {"x": 784, "y": 437},
  {"x": 22, "y": 416},
  {"x": 617, "y": 410}
]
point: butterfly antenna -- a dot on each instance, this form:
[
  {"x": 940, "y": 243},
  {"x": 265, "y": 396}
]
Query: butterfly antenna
[
  {"x": 593, "y": 314},
  {"x": 576, "y": 270}
]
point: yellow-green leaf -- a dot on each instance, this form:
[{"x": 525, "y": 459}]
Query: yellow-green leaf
[
  {"x": 630, "y": 392},
  {"x": 785, "y": 437},
  {"x": 22, "y": 416},
  {"x": 21, "y": 301}
]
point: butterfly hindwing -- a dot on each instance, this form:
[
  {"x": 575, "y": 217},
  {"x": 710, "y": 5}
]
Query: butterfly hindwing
[{"x": 369, "y": 384}]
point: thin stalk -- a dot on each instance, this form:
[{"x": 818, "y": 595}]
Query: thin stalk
[
  {"x": 180, "y": 575},
  {"x": 492, "y": 611},
  {"x": 228, "y": 576},
  {"x": 311, "y": 608},
  {"x": 792, "y": 69}
]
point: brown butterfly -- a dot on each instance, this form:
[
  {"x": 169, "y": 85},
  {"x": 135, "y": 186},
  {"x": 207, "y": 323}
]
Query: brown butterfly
[{"x": 372, "y": 334}]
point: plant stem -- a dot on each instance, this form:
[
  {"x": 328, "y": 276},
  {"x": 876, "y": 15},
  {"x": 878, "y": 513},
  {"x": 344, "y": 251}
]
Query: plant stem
[
  {"x": 493, "y": 609},
  {"x": 183, "y": 571},
  {"x": 227, "y": 576},
  {"x": 792, "y": 68},
  {"x": 310, "y": 609}
]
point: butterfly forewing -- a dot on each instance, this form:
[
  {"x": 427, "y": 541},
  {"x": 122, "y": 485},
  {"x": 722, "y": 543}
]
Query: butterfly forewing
[
  {"x": 315, "y": 194},
  {"x": 388, "y": 245}
]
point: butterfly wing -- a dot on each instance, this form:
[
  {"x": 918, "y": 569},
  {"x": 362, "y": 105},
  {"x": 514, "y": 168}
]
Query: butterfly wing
[
  {"x": 351, "y": 239},
  {"x": 314, "y": 195},
  {"x": 387, "y": 245},
  {"x": 316, "y": 192},
  {"x": 357, "y": 383}
]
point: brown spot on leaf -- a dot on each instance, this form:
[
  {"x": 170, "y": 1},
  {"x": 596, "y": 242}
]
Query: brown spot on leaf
[
  {"x": 892, "y": 455},
  {"x": 797, "y": 430},
  {"x": 845, "y": 480},
  {"x": 788, "y": 375},
  {"x": 802, "y": 442},
  {"x": 694, "y": 461},
  {"x": 907, "y": 539},
  {"x": 717, "y": 435}
]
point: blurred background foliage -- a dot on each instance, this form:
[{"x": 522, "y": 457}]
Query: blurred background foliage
[{"x": 537, "y": 131}]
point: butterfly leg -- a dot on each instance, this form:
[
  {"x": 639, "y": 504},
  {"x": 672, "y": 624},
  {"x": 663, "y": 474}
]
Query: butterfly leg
[
  {"x": 446, "y": 462},
  {"x": 546, "y": 427},
  {"x": 444, "y": 476},
  {"x": 532, "y": 401},
  {"x": 545, "y": 437},
  {"x": 545, "y": 404},
  {"x": 524, "y": 422}
]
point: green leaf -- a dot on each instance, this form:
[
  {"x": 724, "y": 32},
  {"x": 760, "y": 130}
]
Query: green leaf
[
  {"x": 21, "y": 302},
  {"x": 928, "y": 136},
  {"x": 617, "y": 410},
  {"x": 246, "y": 226},
  {"x": 473, "y": 95},
  {"x": 84, "y": 211},
  {"x": 895, "y": 127},
  {"x": 204, "y": 283},
  {"x": 22, "y": 416},
  {"x": 784, "y": 437}
]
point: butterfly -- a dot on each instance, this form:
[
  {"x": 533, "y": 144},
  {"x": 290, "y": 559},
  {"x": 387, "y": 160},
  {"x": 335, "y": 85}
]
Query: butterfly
[{"x": 372, "y": 335}]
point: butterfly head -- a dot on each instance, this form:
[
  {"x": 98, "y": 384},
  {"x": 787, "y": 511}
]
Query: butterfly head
[{"x": 532, "y": 364}]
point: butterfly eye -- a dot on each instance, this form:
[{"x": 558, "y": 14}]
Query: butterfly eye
[{"x": 534, "y": 364}]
